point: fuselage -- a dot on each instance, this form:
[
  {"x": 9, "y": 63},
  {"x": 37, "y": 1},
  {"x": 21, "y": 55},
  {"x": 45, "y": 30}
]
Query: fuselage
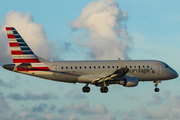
[{"x": 72, "y": 71}]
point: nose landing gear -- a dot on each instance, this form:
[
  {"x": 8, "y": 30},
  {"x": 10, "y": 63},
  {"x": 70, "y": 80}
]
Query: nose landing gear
[{"x": 156, "y": 84}]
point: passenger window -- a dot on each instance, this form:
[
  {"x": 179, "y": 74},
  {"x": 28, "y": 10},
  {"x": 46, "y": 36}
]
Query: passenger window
[
  {"x": 99, "y": 67},
  {"x": 75, "y": 67},
  {"x": 112, "y": 66},
  {"x": 85, "y": 67},
  {"x": 66, "y": 67},
  {"x": 134, "y": 66},
  {"x": 117, "y": 66},
  {"x": 89, "y": 67},
  {"x": 126, "y": 66},
  {"x": 147, "y": 66},
  {"x": 143, "y": 66},
  {"x": 139, "y": 67},
  {"x": 80, "y": 67},
  {"x": 61, "y": 67},
  {"x": 130, "y": 66},
  {"x": 94, "y": 67},
  {"x": 103, "y": 67},
  {"x": 71, "y": 67},
  {"x": 108, "y": 66}
]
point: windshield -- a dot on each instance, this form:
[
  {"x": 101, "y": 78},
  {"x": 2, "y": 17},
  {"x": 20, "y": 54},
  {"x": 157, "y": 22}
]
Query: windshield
[{"x": 166, "y": 66}]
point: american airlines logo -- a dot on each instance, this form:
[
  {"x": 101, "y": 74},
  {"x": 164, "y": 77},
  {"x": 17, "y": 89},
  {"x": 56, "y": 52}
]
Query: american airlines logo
[{"x": 144, "y": 71}]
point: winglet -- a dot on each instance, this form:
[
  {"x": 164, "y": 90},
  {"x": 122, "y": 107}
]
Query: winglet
[{"x": 121, "y": 63}]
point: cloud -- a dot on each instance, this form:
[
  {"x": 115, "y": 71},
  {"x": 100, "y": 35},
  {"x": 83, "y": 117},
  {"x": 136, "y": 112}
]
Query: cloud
[
  {"x": 157, "y": 100},
  {"x": 30, "y": 96},
  {"x": 49, "y": 116},
  {"x": 129, "y": 115},
  {"x": 39, "y": 112},
  {"x": 52, "y": 107},
  {"x": 75, "y": 94},
  {"x": 6, "y": 112},
  {"x": 5, "y": 84},
  {"x": 40, "y": 108},
  {"x": 82, "y": 108},
  {"x": 43, "y": 111},
  {"x": 100, "y": 109},
  {"x": 108, "y": 38},
  {"x": 162, "y": 106},
  {"x": 95, "y": 112},
  {"x": 32, "y": 33},
  {"x": 67, "y": 46}
]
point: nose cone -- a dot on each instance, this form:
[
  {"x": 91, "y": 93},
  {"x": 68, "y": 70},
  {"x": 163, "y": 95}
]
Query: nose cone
[
  {"x": 173, "y": 73},
  {"x": 9, "y": 67}
]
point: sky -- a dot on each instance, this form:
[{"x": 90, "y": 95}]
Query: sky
[{"x": 61, "y": 30}]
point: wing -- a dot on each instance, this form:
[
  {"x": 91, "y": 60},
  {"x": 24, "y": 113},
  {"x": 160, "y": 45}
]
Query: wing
[{"x": 118, "y": 73}]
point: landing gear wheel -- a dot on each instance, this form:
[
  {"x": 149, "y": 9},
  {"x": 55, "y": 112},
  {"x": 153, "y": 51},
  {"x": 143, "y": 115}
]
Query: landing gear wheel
[
  {"x": 156, "y": 84},
  {"x": 104, "y": 89},
  {"x": 86, "y": 89},
  {"x": 156, "y": 89}
]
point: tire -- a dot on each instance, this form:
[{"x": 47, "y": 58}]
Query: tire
[
  {"x": 102, "y": 90},
  {"x": 156, "y": 89},
  {"x": 84, "y": 89},
  {"x": 106, "y": 89},
  {"x": 88, "y": 89}
]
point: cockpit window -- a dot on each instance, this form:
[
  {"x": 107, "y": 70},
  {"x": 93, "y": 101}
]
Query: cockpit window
[{"x": 166, "y": 66}]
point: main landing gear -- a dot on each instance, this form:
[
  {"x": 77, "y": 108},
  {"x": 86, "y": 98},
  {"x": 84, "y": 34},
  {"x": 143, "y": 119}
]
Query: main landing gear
[
  {"x": 104, "y": 88},
  {"x": 86, "y": 88},
  {"x": 156, "y": 84}
]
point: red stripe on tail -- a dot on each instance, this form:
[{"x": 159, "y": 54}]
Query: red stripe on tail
[
  {"x": 26, "y": 61},
  {"x": 8, "y": 28},
  {"x": 13, "y": 44},
  {"x": 34, "y": 69},
  {"x": 11, "y": 36},
  {"x": 16, "y": 53}
]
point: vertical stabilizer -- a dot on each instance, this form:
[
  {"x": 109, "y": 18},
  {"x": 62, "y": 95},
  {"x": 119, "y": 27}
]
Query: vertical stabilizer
[{"x": 21, "y": 52}]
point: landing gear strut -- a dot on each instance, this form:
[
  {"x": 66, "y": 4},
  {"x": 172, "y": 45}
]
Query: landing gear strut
[
  {"x": 86, "y": 88},
  {"x": 104, "y": 89},
  {"x": 156, "y": 84}
]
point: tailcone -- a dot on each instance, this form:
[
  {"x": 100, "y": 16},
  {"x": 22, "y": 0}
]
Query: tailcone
[{"x": 9, "y": 67}]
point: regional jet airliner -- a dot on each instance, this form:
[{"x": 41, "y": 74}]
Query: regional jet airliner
[{"x": 102, "y": 73}]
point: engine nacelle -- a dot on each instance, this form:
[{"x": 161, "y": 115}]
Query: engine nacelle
[{"x": 129, "y": 81}]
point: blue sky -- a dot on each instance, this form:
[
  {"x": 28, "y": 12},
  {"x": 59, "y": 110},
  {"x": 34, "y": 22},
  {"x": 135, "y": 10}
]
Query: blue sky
[{"x": 153, "y": 28}]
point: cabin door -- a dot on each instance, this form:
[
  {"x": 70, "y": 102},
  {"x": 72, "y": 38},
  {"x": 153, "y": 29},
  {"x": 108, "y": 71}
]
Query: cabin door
[
  {"x": 158, "y": 69},
  {"x": 55, "y": 69}
]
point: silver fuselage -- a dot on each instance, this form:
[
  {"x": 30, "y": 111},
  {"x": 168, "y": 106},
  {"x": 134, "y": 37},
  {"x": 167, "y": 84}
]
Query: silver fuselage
[{"x": 73, "y": 71}]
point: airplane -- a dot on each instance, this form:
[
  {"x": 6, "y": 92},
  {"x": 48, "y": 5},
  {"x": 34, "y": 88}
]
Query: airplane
[{"x": 101, "y": 73}]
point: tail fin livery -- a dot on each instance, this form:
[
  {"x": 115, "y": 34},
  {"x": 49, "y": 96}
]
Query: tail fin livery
[{"x": 21, "y": 52}]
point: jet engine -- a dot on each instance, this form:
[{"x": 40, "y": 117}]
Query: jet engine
[{"x": 128, "y": 81}]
